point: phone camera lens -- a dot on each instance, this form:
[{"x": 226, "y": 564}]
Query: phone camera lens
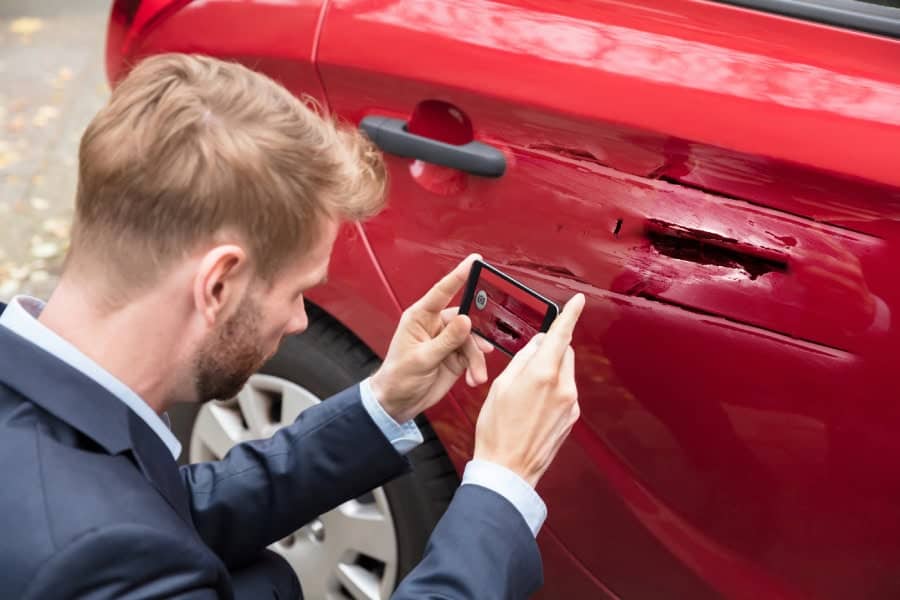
[{"x": 481, "y": 299}]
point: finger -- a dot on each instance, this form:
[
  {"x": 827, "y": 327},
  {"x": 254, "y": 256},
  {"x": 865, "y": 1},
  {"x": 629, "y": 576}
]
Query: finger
[
  {"x": 456, "y": 364},
  {"x": 483, "y": 345},
  {"x": 439, "y": 296},
  {"x": 524, "y": 355},
  {"x": 449, "y": 340},
  {"x": 447, "y": 315},
  {"x": 567, "y": 371},
  {"x": 475, "y": 363},
  {"x": 560, "y": 334}
]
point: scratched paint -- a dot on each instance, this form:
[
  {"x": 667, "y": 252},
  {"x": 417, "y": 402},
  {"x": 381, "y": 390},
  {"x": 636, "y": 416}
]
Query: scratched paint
[{"x": 738, "y": 299}]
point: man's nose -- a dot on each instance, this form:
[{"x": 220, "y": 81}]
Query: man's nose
[{"x": 299, "y": 322}]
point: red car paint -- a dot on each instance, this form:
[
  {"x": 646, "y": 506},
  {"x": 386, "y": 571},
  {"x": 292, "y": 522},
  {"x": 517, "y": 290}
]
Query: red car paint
[{"x": 722, "y": 184}]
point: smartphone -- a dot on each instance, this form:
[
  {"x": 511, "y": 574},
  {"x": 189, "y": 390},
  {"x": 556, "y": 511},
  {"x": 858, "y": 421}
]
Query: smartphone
[{"x": 503, "y": 311}]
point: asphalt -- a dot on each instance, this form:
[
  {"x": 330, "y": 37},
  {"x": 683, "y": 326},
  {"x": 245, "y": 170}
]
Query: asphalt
[{"x": 52, "y": 82}]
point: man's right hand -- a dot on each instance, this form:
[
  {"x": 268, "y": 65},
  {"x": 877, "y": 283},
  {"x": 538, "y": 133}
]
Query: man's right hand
[{"x": 533, "y": 404}]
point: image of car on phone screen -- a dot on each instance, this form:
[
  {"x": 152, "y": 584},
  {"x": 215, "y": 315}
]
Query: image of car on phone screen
[{"x": 503, "y": 311}]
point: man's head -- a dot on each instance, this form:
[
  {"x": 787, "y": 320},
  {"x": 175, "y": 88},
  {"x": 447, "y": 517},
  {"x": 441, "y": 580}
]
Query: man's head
[{"x": 215, "y": 184}]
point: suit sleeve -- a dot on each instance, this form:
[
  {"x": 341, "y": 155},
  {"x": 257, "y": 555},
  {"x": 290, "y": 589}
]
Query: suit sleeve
[
  {"x": 264, "y": 490},
  {"x": 127, "y": 562},
  {"x": 481, "y": 548}
]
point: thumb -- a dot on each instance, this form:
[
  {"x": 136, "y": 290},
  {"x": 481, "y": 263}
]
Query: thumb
[{"x": 450, "y": 339}]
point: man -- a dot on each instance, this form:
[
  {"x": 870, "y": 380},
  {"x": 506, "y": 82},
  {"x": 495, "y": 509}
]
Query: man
[{"x": 208, "y": 201}]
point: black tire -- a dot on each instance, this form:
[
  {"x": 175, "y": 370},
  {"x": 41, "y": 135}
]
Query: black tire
[{"x": 326, "y": 359}]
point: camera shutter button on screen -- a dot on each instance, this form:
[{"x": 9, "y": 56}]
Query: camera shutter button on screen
[{"x": 481, "y": 299}]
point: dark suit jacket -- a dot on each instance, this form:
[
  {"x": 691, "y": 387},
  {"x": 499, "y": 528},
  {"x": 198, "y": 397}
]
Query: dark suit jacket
[{"x": 93, "y": 505}]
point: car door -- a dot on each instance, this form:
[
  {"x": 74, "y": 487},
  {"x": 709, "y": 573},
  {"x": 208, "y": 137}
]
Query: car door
[{"x": 723, "y": 185}]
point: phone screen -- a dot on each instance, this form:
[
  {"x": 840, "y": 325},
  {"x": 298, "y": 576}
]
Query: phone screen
[{"x": 504, "y": 311}]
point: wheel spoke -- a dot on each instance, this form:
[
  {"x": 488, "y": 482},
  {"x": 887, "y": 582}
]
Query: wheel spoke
[
  {"x": 361, "y": 528},
  {"x": 294, "y": 400},
  {"x": 381, "y": 503},
  {"x": 361, "y": 584},
  {"x": 315, "y": 564},
  {"x": 218, "y": 428},
  {"x": 255, "y": 407}
]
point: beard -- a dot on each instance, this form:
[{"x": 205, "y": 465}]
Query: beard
[{"x": 230, "y": 355}]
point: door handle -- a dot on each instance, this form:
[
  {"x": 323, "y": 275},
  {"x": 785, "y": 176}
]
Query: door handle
[{"x": 391, "y": 136}]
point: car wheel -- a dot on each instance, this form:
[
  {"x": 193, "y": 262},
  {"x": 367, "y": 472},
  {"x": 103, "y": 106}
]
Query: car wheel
[{"x": 363, "y": 548}]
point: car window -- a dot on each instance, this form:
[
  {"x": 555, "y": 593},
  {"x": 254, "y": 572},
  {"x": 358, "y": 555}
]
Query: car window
[{"x": 881, "y": 17}]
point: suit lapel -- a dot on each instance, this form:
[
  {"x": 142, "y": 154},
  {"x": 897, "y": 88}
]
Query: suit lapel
[
  {"x": 158, "y": 466},
  {"x": 85, "y": 405}
]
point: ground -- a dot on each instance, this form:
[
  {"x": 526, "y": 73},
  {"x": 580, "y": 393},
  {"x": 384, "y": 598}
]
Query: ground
[{"x": 52, "y": 81}]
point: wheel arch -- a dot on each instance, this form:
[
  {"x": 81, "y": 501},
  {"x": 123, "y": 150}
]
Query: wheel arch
[{"x": 357, "y": 294}]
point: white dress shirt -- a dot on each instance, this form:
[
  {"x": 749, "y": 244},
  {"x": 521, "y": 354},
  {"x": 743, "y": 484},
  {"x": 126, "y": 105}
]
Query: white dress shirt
[{"x": 21, "y": 317}]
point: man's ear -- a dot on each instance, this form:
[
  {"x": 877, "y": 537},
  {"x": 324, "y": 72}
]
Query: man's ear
[{"x": 220, "y": 282}]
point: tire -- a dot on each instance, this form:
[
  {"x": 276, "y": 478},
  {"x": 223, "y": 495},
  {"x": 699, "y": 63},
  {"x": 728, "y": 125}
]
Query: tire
[{"x": 324, "y": 360}]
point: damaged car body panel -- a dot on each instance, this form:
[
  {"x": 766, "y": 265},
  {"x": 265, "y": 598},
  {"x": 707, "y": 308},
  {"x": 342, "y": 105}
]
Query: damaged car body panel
[{"x": 725, "y": 192}]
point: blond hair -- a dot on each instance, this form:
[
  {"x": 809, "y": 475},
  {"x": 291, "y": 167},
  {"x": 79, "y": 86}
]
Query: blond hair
[{"x": 190, "y": 147}]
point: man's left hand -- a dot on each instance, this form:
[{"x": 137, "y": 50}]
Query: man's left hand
[{"x": 432, "y": 347}]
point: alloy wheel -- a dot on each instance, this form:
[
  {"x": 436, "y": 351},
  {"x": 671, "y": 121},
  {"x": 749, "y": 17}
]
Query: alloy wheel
[{"x": 347, "y": 553}]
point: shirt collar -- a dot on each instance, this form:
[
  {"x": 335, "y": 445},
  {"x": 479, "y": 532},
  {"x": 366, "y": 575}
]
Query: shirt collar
[{"x": 21, "y": 317}]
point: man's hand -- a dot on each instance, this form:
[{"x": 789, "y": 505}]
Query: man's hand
[
  {"x": 533, "y": 404},
  {"x": 432, "y": 347}
]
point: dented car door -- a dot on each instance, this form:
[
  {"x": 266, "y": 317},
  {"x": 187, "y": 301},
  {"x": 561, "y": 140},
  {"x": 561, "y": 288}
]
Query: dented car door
[{"x": 723, "y": 186}]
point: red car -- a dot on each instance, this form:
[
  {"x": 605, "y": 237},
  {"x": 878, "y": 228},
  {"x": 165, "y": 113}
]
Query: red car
[{"x": 721, "y": 179}]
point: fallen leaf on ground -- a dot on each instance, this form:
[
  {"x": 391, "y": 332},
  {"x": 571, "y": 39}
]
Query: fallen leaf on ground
[
  {"x": 16, "y": 125},
  {"x": 18, "y": 273},
  {"x": 39, "y": 276},
  {"x": 39, "y": 204},
  {"x": 57, "y": 227},
  {"x": 44, "y": 115},
  {"x": 8, "y": 288},
  {"x": 45, "y": 249},
  {"x": 26, "y": 26},
  {"x": 8, "y": 157}
]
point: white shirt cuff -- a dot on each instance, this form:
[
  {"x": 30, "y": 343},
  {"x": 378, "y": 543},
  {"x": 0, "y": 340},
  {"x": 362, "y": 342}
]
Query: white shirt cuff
[
  {"x": 512, "y": 487},
  {"x": 403, "y": 437}
]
